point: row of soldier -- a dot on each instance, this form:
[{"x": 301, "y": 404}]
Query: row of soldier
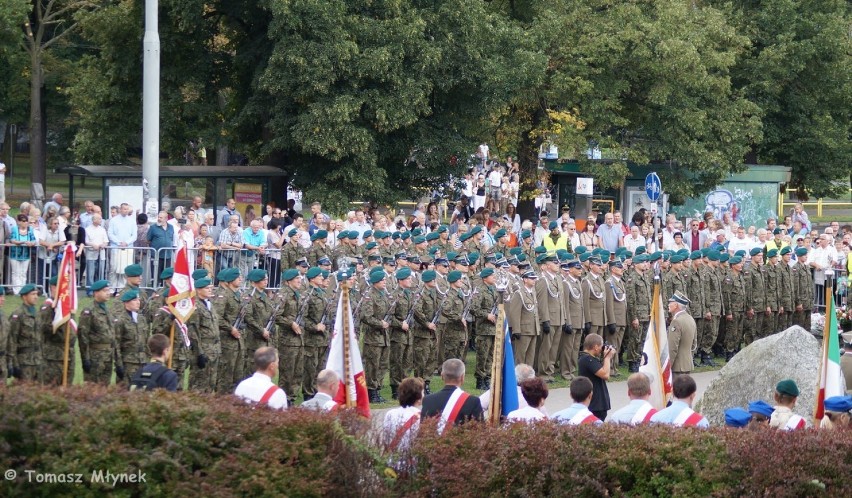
[{"x": 417, "y": 310}]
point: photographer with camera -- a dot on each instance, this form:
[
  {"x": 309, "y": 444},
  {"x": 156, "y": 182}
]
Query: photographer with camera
[{"x": 595, "y": 362}]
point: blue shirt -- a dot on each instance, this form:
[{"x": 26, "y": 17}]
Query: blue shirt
[
  {"x": 564, "y": 416},
  {"x": 610, "y": 236},
  {"x": 253, "y": 239},
  {"x": 626, "y": 414},
  {"x": 159, "y": 237},
  {"x": 670, "y": 414},
  {"x": 21, "y": 252}
]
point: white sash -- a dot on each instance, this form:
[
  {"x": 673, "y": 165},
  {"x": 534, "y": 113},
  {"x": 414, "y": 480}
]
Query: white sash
[
  {"x": 580, "y": 417},
  {"x": 793, "y": 423},
  {"x": 448, "y": 409},
  {"x": 329, "y": 405},
  {"x": 640, "y": 415},
  {"x": 682, "y": 416}
]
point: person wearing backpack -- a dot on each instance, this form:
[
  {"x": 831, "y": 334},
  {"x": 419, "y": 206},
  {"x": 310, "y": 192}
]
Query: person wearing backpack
[{"x": 156, "y": 375}]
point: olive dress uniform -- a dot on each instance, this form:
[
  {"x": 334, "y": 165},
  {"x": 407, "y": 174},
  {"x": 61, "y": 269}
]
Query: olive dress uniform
[
  {"x": 98, "y": 344},
  {"x": 682, "y": 340},
  {"x": 203, "y": 328},
  {"x": 131, "y": 333},
  {"x": 484, "y": 304},
  {"x": 572, "y": 338},
  {"x": 549, "y": 343},
  {"x": 616, "y": 312},
  {"x": 594, "y": 303},
  {"x": 524, "y": 323},
  {"x": 226, "y": 305},
  {"x": 640, "y": 291},
  {"x": 376, "y": 339}
]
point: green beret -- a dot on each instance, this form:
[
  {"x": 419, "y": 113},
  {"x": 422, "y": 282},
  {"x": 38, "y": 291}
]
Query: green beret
[
  {"x": 129, "y": 295},
  {"x": 289, "y": 274},
  {"x": 452, "y": 255},
  {"x": 368, "y": 234},
  {"x": 167, "y": 273},
  {"x": 580, "y": 250},
  {"x": 389, "y": 261},
  {"x": 788, "y": 387},
  {"x": 724, "y": 256},
  {"x": 420, "y": 239},
  {"x": 735, "y": 260},
  {"x": 785, "y": 250},
  {"x": 228, "y": 275},
  {"x": 293, "y": 232},
  {"x": 2, "y": 291},
  {"x": 133, "y": 270},
  {"x": 713, "y": 255},
  {"x": 313, "y": 272},
  {"x": 463, "y": 237},
  {"x": 376, "y": 277},
  {"x": 343, "y": 275},
  {"x": 256, "y": 275},
  {"x": 776, "y": 231},
  {"x": 430, "y": 237},
  {"x": 319, "y": 234},
  {"x": 54, "y": 280},
  {"x": 395, "y": 235},
  {"x": 562, "y": 253},
  {"x": 772, "y": 253},
  {"x": 568, "y": 257},
  {"x": 515, "y": 251},
  {"x": 475, "y": 230},
  {"x": 325, "y": 273},
  {"x": 522, "y": 258},
  {"x": 32, "y": 288},
  {"x": 655, "y": 256},
  {"x": 416, "y": 232},
  {"x": 585, "y": 256},
  {"x": 552, "y": 225},
  {"x": 352, "y": 234},
  {"x": 375, "y": 269},
  {"x": 604, "y": 255},
  {"x": 704, "y": 252},
  {"x": 684, "y": 252},
  {"x": 540, "y": 250},
  {"x": 433, "y": 250},
  {"x": 801, "y": 251},
  {"x": 486, "y": 272},
  {"x": 96, "y": 286},
  {"x": 442, "y": 229},
  {"x": 370, "y": 245},
  {"x": 642, "y": 258},
  {"x": 525, "y": 234},
  {"x": 639, "y": 250},
  {"x": 202, "y": 283},
  {"x": 342, "y": 235},
  {"x": 200, "y": 273},
  {"x": 428, "y": 275},
  {"x": 472, "y": 257},
  {"x": 755, "y": 251},
  {"x": 384, "y": 235},
  {"x": 500, "y": 233},
  {"x": 695, "y": 255},
  {"x": 461, "y": 260},
  {"x": 676, "y": 258},
  {"x": 374, "y": 257},
  {"x": 540, "y": 258},
  {"x": 403, "y": 273},
  {"x": 454, "y": 276},
  {"x": 741, "y": 253}
]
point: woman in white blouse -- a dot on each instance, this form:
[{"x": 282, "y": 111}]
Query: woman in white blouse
[
  {"x": 401, "y": 424},
  {"x": 535, "y": 393}
]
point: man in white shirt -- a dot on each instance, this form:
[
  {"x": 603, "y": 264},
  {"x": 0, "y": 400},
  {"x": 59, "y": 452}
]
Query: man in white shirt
[
  {"x": 495, "y": 179},
  {"x": 541, "y": 230},
  {"x": 122, "y": 234},
  {"x": 360, "y": 225},
  {"x": 522, "y": 373},
  {"x": 327, "y": 385},
  {"x": 638, "y": 411},
  {"x": 740, "y": 242},
  {"x": 821, "y": 259},
  {"x": 634, "y": 240},
  {"x": 259, "y": 388}
]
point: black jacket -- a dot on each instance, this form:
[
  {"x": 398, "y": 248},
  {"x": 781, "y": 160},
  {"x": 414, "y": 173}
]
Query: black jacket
[{"x": 434, "y": 404}]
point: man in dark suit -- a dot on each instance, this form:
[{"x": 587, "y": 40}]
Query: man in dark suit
[{"x": 451, "y": 404}]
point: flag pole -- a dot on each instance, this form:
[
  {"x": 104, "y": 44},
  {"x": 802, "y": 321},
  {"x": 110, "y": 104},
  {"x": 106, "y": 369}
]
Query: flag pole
[
  {"x": 347, "y": 373},
  {"x": 67, "y": 352},
  {"x": 171, "y": 343},
  {"x": 495, "y": 409},
  {"x": 819, "y": 412}
]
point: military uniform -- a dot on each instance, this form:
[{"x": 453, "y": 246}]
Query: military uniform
[
  {"x": 161, "y": 323},
  {"x": 4, "y": 349},
  {"x": 53, "y": 352},
  {"x": 696, "y": 298},
  {"x": 712, "y": 305},
  {"x": 203, "y": 329},
  {"x": 524, "y": 323},
  {"x": 735, "y": 296},
  {"x": 315, "y": 341},
  {"x": 257, "y": 315},
  {"x": 290, "y": 253},
  {"x": 131, "y": 333},
  {"x": 786, "y": 296},
  {"x": 291, "y": 351},
  {"x": 424, "y": 350},
  {"x": 571, "y": 342},
  {"x": 756, "y": 304},
  {"x": 772, "y": 299},
  {"x": 639, "y": 294},
  {"x": 97, "y": 343},
  {"x": 616, "y": 312},
  {"x": 226, "y": 305},
  {"x": 25, "y": 343},
  {"x": 453, "y": 331},
  {"x": 594, "y": 303},
  {"x": 116, "y": 307},
  {"x": 485, "y": 304},
  {"x": 682, "y": 342},
  {"x": 376, "y": 339},
  {"x": 401, "y": 340},
  {"x": 803, "y": 285},
  {"x": 318, "y": 251},
  {"x": 553, "y": 312}
]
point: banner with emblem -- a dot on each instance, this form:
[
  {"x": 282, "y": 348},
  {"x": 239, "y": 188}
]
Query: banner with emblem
[
  {"x": 344, "y": 358},
  {"x": 656, "y": 363},
  {"x": 181, "y": 300},
  {"x": 65, "y": 300}
]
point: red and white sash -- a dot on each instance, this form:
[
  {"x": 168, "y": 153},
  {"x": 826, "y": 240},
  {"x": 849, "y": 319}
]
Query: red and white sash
[
  {"x": 687, "y": 418},
  {"x": 795, "y": 422},
  {"x": 644, "y": 414},
  {"x": 451, "y": 411},
  {"x": 583, "y": 417},
  {"x": 329, "y": 405},
  {"x": 397, "y": 438},
  {"x": 268, "y": 395}
]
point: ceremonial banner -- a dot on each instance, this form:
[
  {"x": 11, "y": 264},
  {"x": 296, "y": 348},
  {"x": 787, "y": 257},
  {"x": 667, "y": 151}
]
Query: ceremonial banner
[
  {"x": 181, "y": 300},
  {"x": 656, "y": 363},
  {"x": 830, "y": 379},
  {"x": 65, "y": 300},
  {"x": 344, "y": 358}
]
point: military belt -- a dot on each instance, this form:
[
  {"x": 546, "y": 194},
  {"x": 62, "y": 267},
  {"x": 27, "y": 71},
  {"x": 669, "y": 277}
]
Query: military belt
[
  {"x": 28, "y": 350},
  {"x": 100, "y": 347}
]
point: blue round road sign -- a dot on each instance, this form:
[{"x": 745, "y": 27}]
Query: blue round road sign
[{"x": 653, "y": 186}]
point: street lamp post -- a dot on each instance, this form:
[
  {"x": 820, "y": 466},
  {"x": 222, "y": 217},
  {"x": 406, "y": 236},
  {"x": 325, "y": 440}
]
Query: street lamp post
[{"x": 151, "y": 112}]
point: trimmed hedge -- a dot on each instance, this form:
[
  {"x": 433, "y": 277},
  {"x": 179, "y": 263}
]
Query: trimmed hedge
[{"x": 188, "y": 444}]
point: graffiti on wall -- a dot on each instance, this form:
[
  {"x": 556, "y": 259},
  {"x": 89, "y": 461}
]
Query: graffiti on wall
[{"x": 747, "y": 203}]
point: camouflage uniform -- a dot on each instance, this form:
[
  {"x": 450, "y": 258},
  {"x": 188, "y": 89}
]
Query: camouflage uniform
[
  {"x": 132, "y": 341},
  {"x": 290, "y": 253},
  {"x": 161, "y": 323},
  {"x": 258, "y": 313},
  {"x": 400, "y": 340},
  {"x": 639, "y": 294},
  {"x": 735, "y": 298},
  {"x": 772, "y": 299},
  {"x": 803, "y": 283},
  {"x": 116, "y": 307},
  {"x": 25, "y": 345},
  {"x": 291, "y": 353},
  {"x": 756, "y": 304},
  {"x": 54, "y": 347},
  {"x": 454, "y": 335},
  {"x": 97, "y": 343},
  {"x": 376, "y": 339},
  {"x": 316, "y": 341},
  {"x": 226, "y": 306},
  {"x": 483, "y": 305},
  {"x": 696, "y": 298},
  {"x": 318, "y": 251},
  {"x": 712, "y": 304},
  {"x": 424, "y": 349},
  {"x": 203, "y": 329},
  {"x": 786, "y": 296}
]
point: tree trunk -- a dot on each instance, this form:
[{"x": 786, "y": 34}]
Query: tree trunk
[
  {"x": 38, "y": 142},
  {"x": 528, "y": 163}
]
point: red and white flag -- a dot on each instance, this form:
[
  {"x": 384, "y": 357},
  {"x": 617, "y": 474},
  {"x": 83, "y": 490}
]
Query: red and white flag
[
  {"x": 346, "y": 362},
  {"x": 181, "y": 300},
  {"x": 65, "y": 300},
  {"x": 656, "y": 363},
  {"x": 830, "y": 380}
]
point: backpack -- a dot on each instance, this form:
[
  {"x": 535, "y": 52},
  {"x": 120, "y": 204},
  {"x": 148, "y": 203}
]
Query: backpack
[{"x": 146, "y": 381}]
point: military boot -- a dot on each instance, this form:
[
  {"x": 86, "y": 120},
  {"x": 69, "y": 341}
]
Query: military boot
[
  {"x": 707, "y": 360},
  {"x": 394, "y": 393},
  {"x": 633, "y": 366},
  {"x": 379, "y": 398},
  {"x": 372, "y": 395},
  {"x": 426, "y": 390}
]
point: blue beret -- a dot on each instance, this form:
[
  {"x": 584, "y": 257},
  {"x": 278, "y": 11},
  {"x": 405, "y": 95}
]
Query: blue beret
[
  {"x": 96, "y": 286},
  {"x": 761, "y": 407},
  {"x": 129, "y": 295},
  {"x": 839, "y": 404},
  {"x": 133, "y": 270},
  {"x": 313, "y": 272},
  {"x": 737, "y": 417}
]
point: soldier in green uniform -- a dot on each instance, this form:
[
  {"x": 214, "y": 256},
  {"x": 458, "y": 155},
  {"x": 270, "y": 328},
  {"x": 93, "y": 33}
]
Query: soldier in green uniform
[
  {"x": 203, "y": 329},
  {"x": 134, "y": 279},
  {"x": 158, "y": 298},
  {"x": 161, "y": 323},
  {"x": 551, "y": 284},
  {"x": 713, "y": 307},
  {"x": 257, "y": 315},
  {"x": 401, "y": 329},
  {"x": 773, "y": 298},
  {"x": 756, "y": 310},
  {"x": 786, "y": 292},
  {"x": 292, "y": 250},
  {"x": 803, "y": 283},
  {"x": 616, "y": 310},
  {"x": 735, "y": 295},
  {"x": 228, "y": 306},
  {"x": 678, "y": 277},
  {"x": 97, "y": 338},
  {"x": 572, "y": 330},
  {"x": 484, "y": 310},
  {"x": 696, "y": 297},
  {"x": 131, "y": 333},
  {"x": 523, "y": 318},
  {"x": 454, "y": 334},
  {"x": 54, "y": 342},
  {"x": 594, "y": 298},
  {"x": 375, "y": 329},
  {"x": 315, "y": 334},
  {"x": 639, "y": 294},
  {"x": 290, "y": 340},
  {"x": 386, "y": 248},
  {"x": 424, "y": 340},
  {"x": 25, "y": 342},
  {"x": 318, "y": 248}
]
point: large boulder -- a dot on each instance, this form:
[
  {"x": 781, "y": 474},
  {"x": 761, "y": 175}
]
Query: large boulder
[{"x": 752, "y": 374}]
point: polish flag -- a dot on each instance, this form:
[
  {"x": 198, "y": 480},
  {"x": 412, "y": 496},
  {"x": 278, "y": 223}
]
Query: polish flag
[
  {"x": 656, "y": 363},
  {"x": 181, "y": 300},
  {"x": 344, "y": 358},
  {"x": 65, "y": 300}
]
